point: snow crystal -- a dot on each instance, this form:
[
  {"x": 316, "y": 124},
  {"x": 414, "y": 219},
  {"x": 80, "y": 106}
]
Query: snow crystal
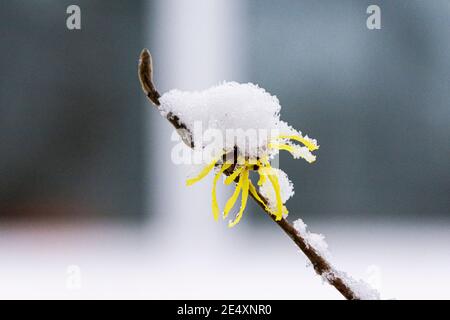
[
  {"x": 317, "y": 241},
  {"x": 361, "y": 288},
  {"x": 314, "y": 240},
  {"x": 286, "y": 188},
  {"x": 287, "y": 129},
  {"x": 231, "y": 107}
]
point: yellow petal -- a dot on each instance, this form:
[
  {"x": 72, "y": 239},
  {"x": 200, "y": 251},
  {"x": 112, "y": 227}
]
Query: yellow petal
[
  {"x": 234, "y": 175},
  {"x": 306, "y": 141},
  {"x": 285, "y": 147},
  {"x": 215, "y": 205},
  {"x": 262, "y": 171},
  {"x": 203, "y": 173},
  {"x": 276, "y": 187},
  {"x": 245, "y": 186},
  {"x": 230, "y": 203},
  {"x": 262, "y": 176},
  {"x": 255, "y": 194},
  {"x": 296, "y": 151}
]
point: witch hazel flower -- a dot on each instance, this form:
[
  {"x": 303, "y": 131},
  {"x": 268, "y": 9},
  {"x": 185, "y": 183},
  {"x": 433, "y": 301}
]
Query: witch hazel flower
[
  {"x": 246, "y": 118},
  {"x": 244, "y": 123}
]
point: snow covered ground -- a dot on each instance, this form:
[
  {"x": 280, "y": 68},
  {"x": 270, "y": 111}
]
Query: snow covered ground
[{"x": 404, "y": 261}]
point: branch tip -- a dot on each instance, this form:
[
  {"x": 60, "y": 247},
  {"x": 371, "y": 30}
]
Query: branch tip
[{"x": 145, "y": 72}]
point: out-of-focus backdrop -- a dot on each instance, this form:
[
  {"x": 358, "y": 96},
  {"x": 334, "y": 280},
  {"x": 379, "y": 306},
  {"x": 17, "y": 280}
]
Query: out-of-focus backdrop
[{"x": 91, "y": 205}]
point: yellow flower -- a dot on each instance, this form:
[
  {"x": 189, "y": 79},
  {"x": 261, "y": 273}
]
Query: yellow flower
[{"x": 241, "y": 171}]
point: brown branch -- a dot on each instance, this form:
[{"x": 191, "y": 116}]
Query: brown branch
[
  {"x": 320, "y": 264},
  {"x": 145, "y": 71},
  {"x": 146, "y": 77}
]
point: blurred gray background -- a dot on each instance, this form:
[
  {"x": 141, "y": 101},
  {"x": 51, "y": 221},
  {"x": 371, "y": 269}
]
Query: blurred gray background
[
  {"x": 81, "y": 147},
  {"x": 377, "y": 101},
  {"x": 71, "y": 125},
  {"x": 73, "y": 132}
]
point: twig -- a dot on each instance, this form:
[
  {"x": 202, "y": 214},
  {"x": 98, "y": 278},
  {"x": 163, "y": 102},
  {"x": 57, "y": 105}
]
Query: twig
[
  {"x": 146, "y": 78},
  {"x": 320, "y": 264}
]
